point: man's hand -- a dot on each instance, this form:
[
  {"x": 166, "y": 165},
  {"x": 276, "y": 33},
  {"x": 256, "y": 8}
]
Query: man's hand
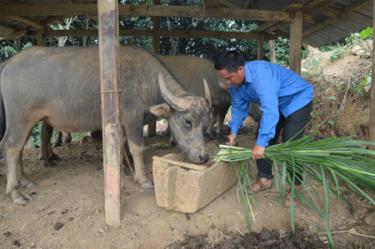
[
  {"x": 231, "y": 139},
  {"x": 258, "y": 152}
]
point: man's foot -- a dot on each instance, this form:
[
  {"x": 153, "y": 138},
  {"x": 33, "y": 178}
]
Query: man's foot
[
  {"x": 262, "y": 184},
  {"x": 295, "y": 202}
]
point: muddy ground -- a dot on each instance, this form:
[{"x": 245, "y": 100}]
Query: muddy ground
[{"x": 67, "y": 211}]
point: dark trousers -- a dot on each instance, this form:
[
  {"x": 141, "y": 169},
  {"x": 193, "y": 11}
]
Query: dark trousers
[{"x": 292, "y": 128}]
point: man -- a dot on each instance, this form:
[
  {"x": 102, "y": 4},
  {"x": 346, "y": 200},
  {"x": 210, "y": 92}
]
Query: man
[{"x": 285, "y": 100}]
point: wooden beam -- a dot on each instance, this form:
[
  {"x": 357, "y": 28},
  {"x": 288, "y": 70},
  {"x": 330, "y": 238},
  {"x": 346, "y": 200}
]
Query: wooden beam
[
  {"x": 296, "y": 26},
  {"x": 209, "y": 4},
  {"x": 28, "y": 21},
  {"x": 166, "y": 33},
  {"x": 15, "y": 35},
  {"x": 372, "y": 94},
  {"x": 110, "y": 108},
  {"x": 142, "y": 10},
  {"x": 317, "y": 5},
  {"x": 342, "y": 14},
  {"x": 6, "y": 29},
  {"x": 309, "y": 8}
]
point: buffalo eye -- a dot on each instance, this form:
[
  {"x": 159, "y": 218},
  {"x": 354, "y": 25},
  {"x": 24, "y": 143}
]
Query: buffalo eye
[{"x": 188, "y": 123}]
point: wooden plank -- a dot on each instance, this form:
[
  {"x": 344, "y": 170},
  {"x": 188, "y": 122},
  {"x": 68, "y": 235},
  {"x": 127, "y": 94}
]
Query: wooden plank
[
  {"x": 143, "y": 10},
  {"x": 167, "y": 33},
  {"x": 296, "y": 26},
  {"x": 110, "y": 104},
  {"x": 260, "y": 47},
  {"x": 372, "y": 94}
]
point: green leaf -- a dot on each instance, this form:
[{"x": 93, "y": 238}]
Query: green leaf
[{"x": 366, "y": 33}]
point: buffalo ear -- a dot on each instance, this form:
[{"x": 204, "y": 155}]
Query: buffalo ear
[{"x": 162, "y": 110}]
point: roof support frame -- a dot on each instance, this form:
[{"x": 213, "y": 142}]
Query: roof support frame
[{"x": 142, "y": 10}]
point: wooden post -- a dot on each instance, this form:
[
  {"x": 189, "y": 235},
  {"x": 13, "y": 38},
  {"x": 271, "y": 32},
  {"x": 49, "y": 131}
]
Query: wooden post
[
  {"x": 110, "y": 102},
  {"x": 272, "y": 44},
  {"x": 296, "y": 42},
  {"x": 260, "y": 47},
  {"x": 372, "y": 97},
  {"x": 40, "y": 39},
  {"x": 151, "y": 127},
  {"x": 155, "y": 31}
]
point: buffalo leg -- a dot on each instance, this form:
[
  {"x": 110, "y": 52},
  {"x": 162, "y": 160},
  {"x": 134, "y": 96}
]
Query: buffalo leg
[
  {"x": 12, "y": 147},
  {"x": 134, "y": 133},
  {"x": 46, "y": 153}
]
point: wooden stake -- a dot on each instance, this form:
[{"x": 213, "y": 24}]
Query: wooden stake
[{"x": 110, "y": 102}]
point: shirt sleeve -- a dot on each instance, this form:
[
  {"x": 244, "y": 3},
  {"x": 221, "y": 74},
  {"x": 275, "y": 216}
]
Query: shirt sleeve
[
  {"x": 267, "y": 87},
  {"x": 239, "y": 110}
]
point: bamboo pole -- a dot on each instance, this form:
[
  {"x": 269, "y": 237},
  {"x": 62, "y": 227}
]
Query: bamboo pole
[{"x": 110, "y": 102}]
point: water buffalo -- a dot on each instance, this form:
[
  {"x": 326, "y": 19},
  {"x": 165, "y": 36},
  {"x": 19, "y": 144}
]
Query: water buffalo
[
  {"x": 190, "y": 71},
  {"x": 61, "y": 87}
]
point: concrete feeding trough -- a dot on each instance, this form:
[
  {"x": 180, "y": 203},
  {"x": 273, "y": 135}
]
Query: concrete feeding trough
[{"x": 188, "y": 187}]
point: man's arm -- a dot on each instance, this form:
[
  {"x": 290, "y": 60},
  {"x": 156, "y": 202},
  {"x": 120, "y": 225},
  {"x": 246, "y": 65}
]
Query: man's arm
[
  {"x": 267, "y": 87},
  {"x": 238, "y": 110}
]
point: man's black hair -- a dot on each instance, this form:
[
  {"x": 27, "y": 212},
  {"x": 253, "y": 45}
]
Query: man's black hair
[{"x": 229, "y": 60}]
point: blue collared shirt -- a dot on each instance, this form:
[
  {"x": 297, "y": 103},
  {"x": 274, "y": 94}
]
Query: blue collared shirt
[{"x": 275, "y": 89}]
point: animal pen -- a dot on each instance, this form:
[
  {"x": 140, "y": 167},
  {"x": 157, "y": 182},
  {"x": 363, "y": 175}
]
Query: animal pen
[{"x": 314, "y": 22}]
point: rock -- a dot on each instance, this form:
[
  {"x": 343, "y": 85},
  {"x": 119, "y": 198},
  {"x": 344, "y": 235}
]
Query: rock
[
  {"x": 58, "y": 226},
  {"x": 265, "y": 234},
  {"x": 17, "y": 243}
]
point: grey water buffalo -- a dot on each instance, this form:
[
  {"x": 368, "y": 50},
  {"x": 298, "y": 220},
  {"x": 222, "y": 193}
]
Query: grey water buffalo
[
  {"x": 190, "y": 71},
  {"x": 61, "y": 87}
]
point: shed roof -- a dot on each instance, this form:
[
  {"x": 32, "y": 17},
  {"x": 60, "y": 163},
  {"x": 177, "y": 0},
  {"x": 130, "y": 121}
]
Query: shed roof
[{"x": 330, "y": 20}]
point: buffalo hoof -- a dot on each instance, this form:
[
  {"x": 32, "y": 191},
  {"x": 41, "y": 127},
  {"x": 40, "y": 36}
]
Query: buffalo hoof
[
  {"x": 147, "y": 185},
  {"x": 28, "y": 184},
  {"x": 21, "y": 198}
]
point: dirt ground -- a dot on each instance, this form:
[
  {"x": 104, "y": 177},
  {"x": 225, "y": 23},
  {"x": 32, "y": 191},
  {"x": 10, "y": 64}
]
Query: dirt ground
[{"x": 67, "y": 210}]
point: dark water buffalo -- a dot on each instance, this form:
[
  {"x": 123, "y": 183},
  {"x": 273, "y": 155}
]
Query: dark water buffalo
[{"x": 61, "y": 87}]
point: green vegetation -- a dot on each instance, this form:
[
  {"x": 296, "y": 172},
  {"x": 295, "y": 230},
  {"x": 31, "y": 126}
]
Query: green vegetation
[{"x": 335, "y": 163}]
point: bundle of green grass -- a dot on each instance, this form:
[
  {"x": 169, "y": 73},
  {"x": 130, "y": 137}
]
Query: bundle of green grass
[{"x": 335, "y": 163}]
